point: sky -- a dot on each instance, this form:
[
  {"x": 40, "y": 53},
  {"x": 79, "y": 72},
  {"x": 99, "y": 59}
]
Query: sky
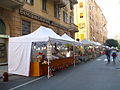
[{"x": 111, "y": 10}]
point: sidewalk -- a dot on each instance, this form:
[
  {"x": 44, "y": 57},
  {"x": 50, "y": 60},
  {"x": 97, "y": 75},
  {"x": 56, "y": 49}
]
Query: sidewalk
[{"x": 3, "y": 68}]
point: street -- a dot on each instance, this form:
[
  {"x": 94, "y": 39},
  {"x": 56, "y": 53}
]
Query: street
[{"x": 93, "y": 75}]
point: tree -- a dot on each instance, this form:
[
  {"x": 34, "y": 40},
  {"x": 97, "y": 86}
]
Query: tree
[
  {"x": 111, "y": 43},
  {"x": 119, "y": 46}
]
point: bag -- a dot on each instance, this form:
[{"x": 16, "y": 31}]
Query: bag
[{"x": 114, "y": 54}]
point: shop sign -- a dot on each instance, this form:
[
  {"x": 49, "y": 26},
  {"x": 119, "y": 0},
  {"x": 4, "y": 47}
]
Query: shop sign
[
  {"x": 29, "y": 14},
  {"x": 4, "y": 36}
]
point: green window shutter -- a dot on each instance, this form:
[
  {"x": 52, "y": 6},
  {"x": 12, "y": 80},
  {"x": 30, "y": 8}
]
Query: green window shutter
[
  {"x": 2, "y": 27},
  {"x": 32, "y": 2}
]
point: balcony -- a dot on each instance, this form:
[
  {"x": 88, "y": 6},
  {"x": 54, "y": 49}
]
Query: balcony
[
  {"x": 73, "y": 27},
  {"x": 60, "y": 2},
  {"x": 11, "y": 4}
]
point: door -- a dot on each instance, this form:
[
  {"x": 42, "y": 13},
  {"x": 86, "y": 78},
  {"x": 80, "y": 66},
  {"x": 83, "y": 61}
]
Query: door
[
  {"x": 3, "y": 43},
  {"x": 3, "y": 56}
]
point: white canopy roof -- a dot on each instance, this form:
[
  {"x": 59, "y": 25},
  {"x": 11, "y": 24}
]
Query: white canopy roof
[
  {"x": 86, "y": 42},
  {"x": 65, "y": 36},
  {"x": 41, "y": 34},
  {"x": 98, "y": 43},
  {"x": 20, "y": 49}
]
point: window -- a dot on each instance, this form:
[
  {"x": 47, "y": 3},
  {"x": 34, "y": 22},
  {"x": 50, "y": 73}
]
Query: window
[
  {"x": 81, "y": 15},
  {"x": 90, "y": 7},
  {"x": 2, "y": 27},
  {"x": 81, "y": 36},
  {"x": 25, "y": 27},
  {"x": 30, "y": 1},
  {"x": 71, "y": 4},
  {"x": 81, "y": 25},
  {"x": 66, "y": 2},
  {"x": 71, "y": 19},
  {"x": 65, "y": 17},
  {"x": 57, "y": 11},
  {"x": 44, "y": 4},
  {"x": 81, "y": 4}
]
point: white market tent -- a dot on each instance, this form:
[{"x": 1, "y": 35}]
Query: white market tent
[
  {"x": 68, "y": 38},
  {"x": 86, "y": 42},
  {"x": 90, "y": 42},
  {"x": 19, "y": 51},
  {"x": 98, "y": 43}
]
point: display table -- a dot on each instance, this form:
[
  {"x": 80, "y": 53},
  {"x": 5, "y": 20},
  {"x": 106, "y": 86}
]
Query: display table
[
  {"x": 38, "y": 69},
  {"x": 62, "y": 63}
]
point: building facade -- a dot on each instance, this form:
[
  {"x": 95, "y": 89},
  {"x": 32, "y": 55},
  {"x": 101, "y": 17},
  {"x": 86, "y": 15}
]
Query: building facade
[
  {"x": 90, "y": 20},
  {"x": 98, "y": 23},
  {"x": 81, "y": 20},
  {"x": 21, "y": 17},
  {"x": 117, "y": 37}
]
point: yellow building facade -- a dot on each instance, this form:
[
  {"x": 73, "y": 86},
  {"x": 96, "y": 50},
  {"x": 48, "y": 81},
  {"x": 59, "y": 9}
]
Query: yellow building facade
[
  {"x": 81, "y": 14},
  {"x": 21, "y": 17},
  {"x": 90, "y": 20}
]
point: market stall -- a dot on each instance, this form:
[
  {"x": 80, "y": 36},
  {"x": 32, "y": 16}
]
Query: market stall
[
  {"x": 24, "y": 53},
  {"x": 75, "y": 45}
]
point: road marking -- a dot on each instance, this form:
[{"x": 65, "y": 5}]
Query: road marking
[
  {"x": 105, "y": 59},
  {"x": 99, "y": 59},
  {"x": 26, "y": 83}
]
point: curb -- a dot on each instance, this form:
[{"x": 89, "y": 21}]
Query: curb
[{"x": 3, "y": 64}]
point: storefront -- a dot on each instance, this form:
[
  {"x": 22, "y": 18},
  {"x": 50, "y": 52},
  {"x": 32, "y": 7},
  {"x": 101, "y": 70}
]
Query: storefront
[{"x": 3, "y": 42}]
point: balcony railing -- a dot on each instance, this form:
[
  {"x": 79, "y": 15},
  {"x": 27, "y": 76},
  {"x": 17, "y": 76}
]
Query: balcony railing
[
  {"x": 60, "y": 2},
  {"x": 73, "y": 27},
  {"x": 11, "y": 4}
]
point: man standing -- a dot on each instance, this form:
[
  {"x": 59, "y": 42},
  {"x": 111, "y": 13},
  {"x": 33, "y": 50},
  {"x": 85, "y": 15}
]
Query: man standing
[{"x": 108, "y": 52}]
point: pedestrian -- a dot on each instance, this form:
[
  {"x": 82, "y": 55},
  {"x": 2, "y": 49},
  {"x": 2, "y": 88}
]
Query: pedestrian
[
  {"x": 114, "y": 55},
  {"x": 108, "y": 52}
]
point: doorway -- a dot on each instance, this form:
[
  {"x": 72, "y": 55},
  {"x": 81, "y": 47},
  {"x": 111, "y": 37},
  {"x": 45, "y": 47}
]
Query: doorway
[{"x": 3, "y": 43}]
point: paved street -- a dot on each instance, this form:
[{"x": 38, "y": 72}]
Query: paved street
[
  {"x": 93, "y": 75},
  {"x": 3, "y": 68}
]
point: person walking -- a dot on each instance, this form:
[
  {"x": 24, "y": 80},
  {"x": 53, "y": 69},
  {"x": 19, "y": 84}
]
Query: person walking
[
  {"x": 114, "y": 55},
  {"x": 108, "y": 52}
]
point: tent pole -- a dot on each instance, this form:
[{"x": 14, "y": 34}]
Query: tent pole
[
  {"x": 74, "y": 53},
  {"x": 48, "y": 47}
]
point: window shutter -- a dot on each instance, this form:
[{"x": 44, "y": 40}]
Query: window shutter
[
  {"x": 2, "y": 27},
  {"x": 32, "y": 2}
]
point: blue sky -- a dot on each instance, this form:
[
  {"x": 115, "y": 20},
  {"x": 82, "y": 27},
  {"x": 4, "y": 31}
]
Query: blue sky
[{"x": 111, "y": 10}]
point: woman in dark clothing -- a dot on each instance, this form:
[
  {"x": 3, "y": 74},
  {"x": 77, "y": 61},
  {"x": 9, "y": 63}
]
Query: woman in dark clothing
[
  {"x": 114, "y": 55},
  {"x": 108, "y": 52}
]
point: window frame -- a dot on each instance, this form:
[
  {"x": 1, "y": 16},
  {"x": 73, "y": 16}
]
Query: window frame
[
  {"x": 82, "y": 25},
  {"x": 81, "y": 4},
  {"x": 44, "y": 5},
  {"x": 65, "y": 17},
  {"x": 22, "y": 33},
  {"x": 81, "y": 15},
  {"x": 71, "y": 20},
  {"x": 57, "y": 11},
  {"x": 3, "y": 32}
]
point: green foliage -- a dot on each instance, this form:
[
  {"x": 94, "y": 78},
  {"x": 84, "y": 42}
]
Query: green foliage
[
  {"x": 119, "y": 46},
  {"x": 111, "y": 43},
  {"x": 68, "y": 45}
]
